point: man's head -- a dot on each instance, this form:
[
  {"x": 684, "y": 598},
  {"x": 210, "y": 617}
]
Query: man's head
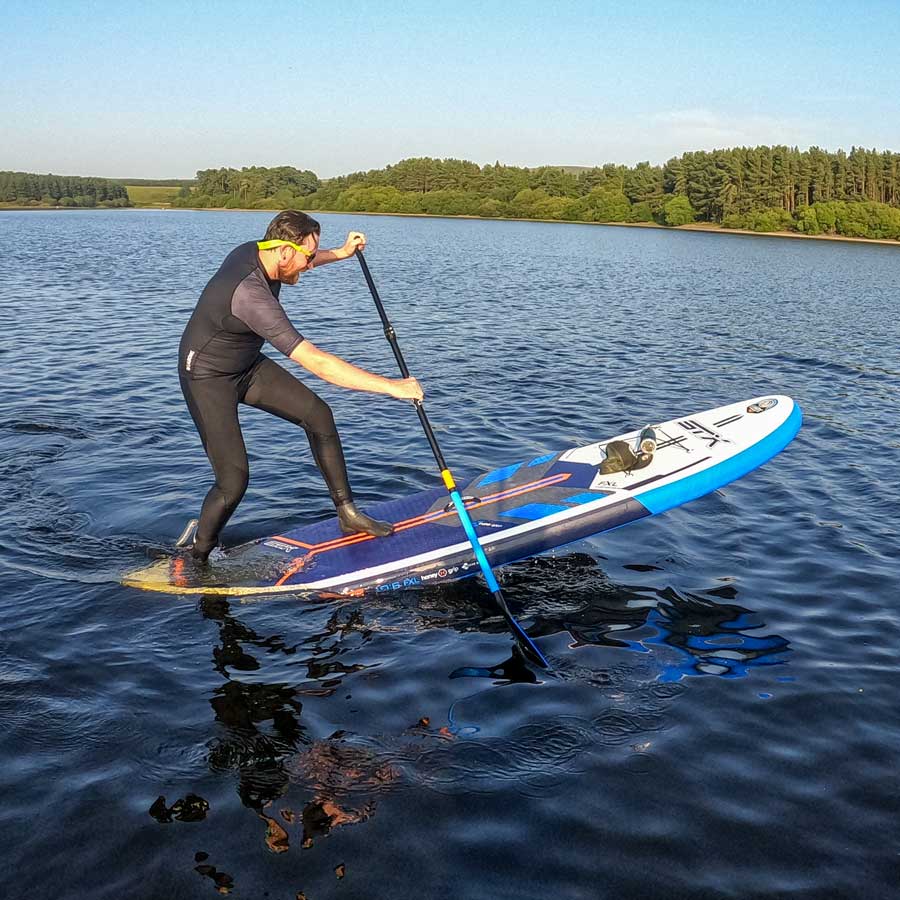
[{"x": 298, "y": 230}]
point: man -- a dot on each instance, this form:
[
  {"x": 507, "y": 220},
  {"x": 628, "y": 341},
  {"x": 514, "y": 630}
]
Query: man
[{"x": 220, "y": 366}]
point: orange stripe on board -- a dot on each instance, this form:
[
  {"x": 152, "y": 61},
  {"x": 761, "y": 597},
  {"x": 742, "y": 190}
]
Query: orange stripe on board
[
  {"x": 300, "y": 562},
  {"x": 178, "y": 574},
  {"x": 430, "y": 517}
]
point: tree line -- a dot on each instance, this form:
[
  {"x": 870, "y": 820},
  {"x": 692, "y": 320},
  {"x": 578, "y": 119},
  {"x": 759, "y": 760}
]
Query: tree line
[
  {"x": 758, "y": 188},
  {"x": 775, "y": 188},
  {"x": 28, "y": 189}
]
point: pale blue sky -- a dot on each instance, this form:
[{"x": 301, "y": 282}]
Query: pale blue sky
[{"x": 163, "y": 89}]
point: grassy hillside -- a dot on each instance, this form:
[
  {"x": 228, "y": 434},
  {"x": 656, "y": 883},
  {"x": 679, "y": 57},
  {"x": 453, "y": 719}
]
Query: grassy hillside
[
  {"x": 151, "y": 195},
  {"x": 157, "y": 182}
]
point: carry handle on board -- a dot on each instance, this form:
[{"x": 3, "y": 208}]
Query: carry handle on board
[{"x": 528, "y": 647}]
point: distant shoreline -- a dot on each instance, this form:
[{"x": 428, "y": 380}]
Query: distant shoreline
[{"x": 707, "y": 227}]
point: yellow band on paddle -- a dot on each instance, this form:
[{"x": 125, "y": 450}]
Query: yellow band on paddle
[
  {"x": 271, "y": 245},
  {"x": 448, "y": 480}
]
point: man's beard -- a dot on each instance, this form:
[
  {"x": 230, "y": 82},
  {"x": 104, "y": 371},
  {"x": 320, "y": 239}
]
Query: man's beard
[{"x": 289, "y": 279}]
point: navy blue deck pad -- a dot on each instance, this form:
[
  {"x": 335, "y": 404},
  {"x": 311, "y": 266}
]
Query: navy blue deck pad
[
  {"x": 391, "y": 510},
  {"x": 580, "y": 474}
]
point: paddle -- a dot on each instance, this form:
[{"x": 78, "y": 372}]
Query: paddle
[{"x": 528, "y": 647}]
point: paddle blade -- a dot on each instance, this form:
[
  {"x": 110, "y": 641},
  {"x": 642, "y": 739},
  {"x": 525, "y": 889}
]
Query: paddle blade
[{"x": 525, "y": 643}]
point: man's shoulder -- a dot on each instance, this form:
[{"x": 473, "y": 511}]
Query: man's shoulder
[
  {"x": 243, "y": 256},
  {"x": 240, "y": 266}
]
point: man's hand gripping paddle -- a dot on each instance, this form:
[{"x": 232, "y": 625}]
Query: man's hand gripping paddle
[{"x": 528, "y": 647}]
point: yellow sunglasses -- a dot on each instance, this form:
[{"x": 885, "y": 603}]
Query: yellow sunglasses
[{"x": 271, "y": 245}]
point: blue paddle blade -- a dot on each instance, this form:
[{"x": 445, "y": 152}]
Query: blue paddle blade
[{"x": 528, "y": 646}]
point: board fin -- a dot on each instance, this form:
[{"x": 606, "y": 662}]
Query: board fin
[{"x": 187, "y": 536}]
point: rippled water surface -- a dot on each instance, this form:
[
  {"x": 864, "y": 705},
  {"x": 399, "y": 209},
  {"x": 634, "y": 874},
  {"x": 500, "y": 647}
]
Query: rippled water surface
[{"x": 722, "y": 715}]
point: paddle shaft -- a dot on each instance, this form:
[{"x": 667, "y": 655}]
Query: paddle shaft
[
  {"x": 524, "y": 640},
  {"x": 391, "y": 336}
]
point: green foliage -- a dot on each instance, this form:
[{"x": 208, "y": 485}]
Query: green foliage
[
  {"x": 281, "y": 187},
  {"x": 643, "y": 182},
  {"x": 678, "y": 211},
  {"x": 489, "y": 208},
  {"x": 766, "y": 219},
  {"x": 28, "y": 189},
  {"x": 447, "y": 202},
  {"x": 808, "y": 221},
  {"x": 376, "y": 199},
  {"x": 606, "y": 204},
  {"x": 157, "y": 182},
  {"x": 536, "y": 203},
  {"x": 641, "y": 212},
  {"x": 609, "y": 175},
  {"x": 866, "y": 220}
]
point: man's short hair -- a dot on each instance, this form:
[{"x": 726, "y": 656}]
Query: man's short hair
[{"x": 293, "y": 226}]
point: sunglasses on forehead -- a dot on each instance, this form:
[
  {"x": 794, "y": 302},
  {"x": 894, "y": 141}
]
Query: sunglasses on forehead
[{"x": 271, "y": 245}]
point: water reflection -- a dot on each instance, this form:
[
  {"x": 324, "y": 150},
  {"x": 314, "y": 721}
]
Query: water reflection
[
  {"x": 261, "y": 722},
  {"x": 711, "y": 638},
  {"x": 263, "y": 738},
  {"x": 691, "y": 633},
  {"x": 514, "y": 670}
]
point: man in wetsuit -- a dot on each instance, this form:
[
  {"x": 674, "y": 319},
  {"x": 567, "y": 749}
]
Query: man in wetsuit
[{"x": 220, "y": 366}]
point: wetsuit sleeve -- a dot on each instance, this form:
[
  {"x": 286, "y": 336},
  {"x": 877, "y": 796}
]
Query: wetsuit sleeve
[{"x": 261, "y": 312}]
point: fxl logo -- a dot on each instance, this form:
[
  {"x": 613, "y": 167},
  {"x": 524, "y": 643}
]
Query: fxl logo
[{"x": 412, "y": 581}]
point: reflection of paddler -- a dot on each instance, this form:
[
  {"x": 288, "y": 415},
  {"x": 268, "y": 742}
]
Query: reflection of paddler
[
  {"x": 332, "y": 769},
  {"x": 220, "y": 366},
  {"x": 266, "y": 743},
  {"x": 321, "y": 815},
  {"x": 261, "y": 722}
]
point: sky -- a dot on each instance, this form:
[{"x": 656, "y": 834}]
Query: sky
[{"x": 160, "y": 90}]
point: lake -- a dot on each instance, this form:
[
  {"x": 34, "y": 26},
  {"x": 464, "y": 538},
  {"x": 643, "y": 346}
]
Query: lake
[{"x": 721, "y": 717}]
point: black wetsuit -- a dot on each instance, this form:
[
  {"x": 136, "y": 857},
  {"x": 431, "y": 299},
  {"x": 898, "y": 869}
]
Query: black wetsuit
[{"x": 220, "y": 366}]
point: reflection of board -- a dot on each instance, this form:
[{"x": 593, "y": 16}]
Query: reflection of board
[{"x": 519, "y": 511}]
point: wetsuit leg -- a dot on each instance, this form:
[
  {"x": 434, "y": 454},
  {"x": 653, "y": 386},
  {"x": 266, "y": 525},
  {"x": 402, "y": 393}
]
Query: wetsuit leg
[
  {"x": 213, "y": 404},
  {"x": 276, "y": 391}
]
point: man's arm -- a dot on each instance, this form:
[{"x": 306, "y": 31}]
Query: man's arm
[
  {"x": 356, "y": 240},
  {"x": 338, "y": 371}
]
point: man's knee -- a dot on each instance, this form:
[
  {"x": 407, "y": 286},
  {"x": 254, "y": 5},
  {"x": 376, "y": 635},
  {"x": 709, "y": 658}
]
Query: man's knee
[
  {"x": 233, "y": 485},
  {"x": 321, "y": 419}
]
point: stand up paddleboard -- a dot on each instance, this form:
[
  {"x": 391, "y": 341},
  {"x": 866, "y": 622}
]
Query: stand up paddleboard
[{"x": 519, "y": 510}]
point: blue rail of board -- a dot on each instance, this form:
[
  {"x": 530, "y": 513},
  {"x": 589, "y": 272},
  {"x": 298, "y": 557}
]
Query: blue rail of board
[{"x": 660, "y": 499}]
